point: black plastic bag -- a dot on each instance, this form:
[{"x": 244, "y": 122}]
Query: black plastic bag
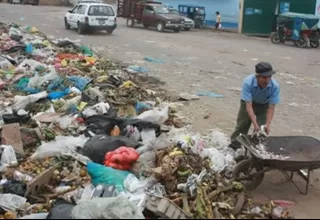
[
  {"x": 96, "y": 147},
  {"x": 106, "y": 124},
  {"x": 15, "y": 187},
  {"x": 62, "y": 209}
]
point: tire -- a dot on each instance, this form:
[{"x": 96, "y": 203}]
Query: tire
[
  {"x": 302, "y": 43},
  {"x": 176, "y": 30},
  {"x": 244, "y": 167},
  {"x": 275, "y": 39},
  {"x": 80, "y": 28},
  {"x": 66, "y": 24},
  {"x": 160, "y": 27},
  {"x": 130, "y": 22},
  {"x": 187, "y": 29},
  {"x": 314, "y": 42},
  {"x": 145, "y": 26},
  {"x": 109, "y": 32}
]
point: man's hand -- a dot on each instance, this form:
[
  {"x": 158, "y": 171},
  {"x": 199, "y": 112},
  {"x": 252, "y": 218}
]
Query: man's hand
[{"x": 267, "y": 127}]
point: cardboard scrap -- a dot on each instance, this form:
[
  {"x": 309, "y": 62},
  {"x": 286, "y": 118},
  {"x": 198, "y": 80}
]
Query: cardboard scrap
[
  {"x": 11, "y": 135},
  {"x": 42, "y": 179},
  {"x": 48, "y": 117}
]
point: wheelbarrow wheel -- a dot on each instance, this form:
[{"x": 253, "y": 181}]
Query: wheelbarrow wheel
[{"x": 246, "y": 168}]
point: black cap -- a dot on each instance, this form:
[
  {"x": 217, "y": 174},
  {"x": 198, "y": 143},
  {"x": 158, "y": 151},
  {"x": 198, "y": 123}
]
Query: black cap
[{"x": 264, "y": 69}]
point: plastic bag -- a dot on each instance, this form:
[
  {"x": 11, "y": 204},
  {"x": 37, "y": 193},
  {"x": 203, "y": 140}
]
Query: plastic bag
[
  {"x": 52, "y": 75},
  {"x": 60, "y": 145},
  {"x": 155, "y": 116},
  {"x": 121, "y": 158},
  {"x": 15, "y": 187},
  {"x": 132, "y": 184},
  {"x": 148, "y": 136},
  {"x": 29, "y": 65},
  {"x": 97, "y": 146},
  {"x": 8, "y": 156},
  {"x": 107, "y": 208},
  {"x": 217, "y": 159},
  {"x": 36, "y": 216},
  {"x": 106, "y": 175},
  {"x": 11, "y": 202},
  {"x": 79, "y": 82},
  {"x": 58, "y": 94},
  {"x": 22, "y": 101},
  {"x": 62, "y": 209},
  {"x": 98, "y": 109}
]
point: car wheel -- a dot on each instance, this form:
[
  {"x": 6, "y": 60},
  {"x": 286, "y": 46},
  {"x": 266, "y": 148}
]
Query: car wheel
[
  {"x": 187, "y": 29},
  {"x": 160, "y": 27},
  {"x": 80, "y": 28},
  {"x": 109, "y": 32},
  {"x": 176, "y": 30},
  {"x": 130, "y": 22},
  {"x": 66, "y": 24},
  {"x": 145, "y": 26}
]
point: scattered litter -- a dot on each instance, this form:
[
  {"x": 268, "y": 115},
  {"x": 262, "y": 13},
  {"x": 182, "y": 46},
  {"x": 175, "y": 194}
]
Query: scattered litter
[
  {"x": 153, "y": 60},
  {"x": 136, "y": 69},
  {"x": 293, "y": 104},
  {"x": 83, "y": 138},
  {"x": 210, "y": 94}
]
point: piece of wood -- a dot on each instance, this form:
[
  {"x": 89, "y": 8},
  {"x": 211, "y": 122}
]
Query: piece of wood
[{"x": 11, "y": 135}]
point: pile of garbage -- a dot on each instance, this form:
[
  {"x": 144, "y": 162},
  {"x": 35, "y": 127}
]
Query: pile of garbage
[{"x": 82, "y": 137}]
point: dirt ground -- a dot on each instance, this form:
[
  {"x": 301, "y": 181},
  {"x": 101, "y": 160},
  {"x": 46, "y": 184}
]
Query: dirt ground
[{"x": 199, "y": 61}]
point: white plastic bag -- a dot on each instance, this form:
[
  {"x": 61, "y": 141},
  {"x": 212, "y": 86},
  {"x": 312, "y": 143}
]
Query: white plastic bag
[
  {"x": 8, "y": 157},
  {"x": 52, "y": 75},
  {"x": 157, "y": 116},
  {"x": 60, "y": 145},
  {"x": 98, "y": 109},
  {"x": 107, "y": 208},
  {"x": 218, "y": 159},
  {"x": 22, "y": 101},
  {"x": 36, "y": 216},
  {"x": 132, "y": 184},
  {"x": 29, "y": 65},
  {"x": 11, "y": 202},
  {"x": 148, "y": 136}
]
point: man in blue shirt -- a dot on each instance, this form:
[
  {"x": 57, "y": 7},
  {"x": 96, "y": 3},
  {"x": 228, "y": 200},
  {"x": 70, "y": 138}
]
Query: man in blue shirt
[{"x": 260, "y": 93}]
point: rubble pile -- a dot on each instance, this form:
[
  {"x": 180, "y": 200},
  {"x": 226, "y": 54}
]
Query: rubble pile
[{"x": 81, "y": 137}]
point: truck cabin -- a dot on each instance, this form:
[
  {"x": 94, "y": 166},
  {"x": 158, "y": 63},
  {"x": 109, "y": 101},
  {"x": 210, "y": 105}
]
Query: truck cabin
[{"x": 155, "y": 9}]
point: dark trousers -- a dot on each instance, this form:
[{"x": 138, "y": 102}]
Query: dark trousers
[{"x": 244, "y": 122}]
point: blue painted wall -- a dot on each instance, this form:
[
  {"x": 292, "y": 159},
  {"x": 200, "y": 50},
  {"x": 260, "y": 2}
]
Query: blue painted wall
[{"x": 229, "y": 10}]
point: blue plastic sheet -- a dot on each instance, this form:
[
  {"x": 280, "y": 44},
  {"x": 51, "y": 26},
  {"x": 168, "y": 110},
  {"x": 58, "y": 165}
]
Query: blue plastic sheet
[
  {"x": 56, "y": 84},
  {"x": 210, "y": 94},
  {"x": 106, "y": 175},
  {"x": 140, "y": 106},
  {"x": 58, "y": 94},
  {"x": 29, "y": 48},
  {"x": 79, "y": 82},
  {"x": 153, "y": 60}
]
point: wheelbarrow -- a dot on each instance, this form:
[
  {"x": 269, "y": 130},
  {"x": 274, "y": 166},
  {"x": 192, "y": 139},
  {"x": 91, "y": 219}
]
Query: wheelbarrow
[{"x": 299, "y": 155}]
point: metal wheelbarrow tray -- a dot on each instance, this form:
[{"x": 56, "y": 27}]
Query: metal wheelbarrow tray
[{"x": 303, "y": 153}]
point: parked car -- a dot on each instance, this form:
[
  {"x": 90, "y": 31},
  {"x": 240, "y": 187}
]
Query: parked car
[
  {"x": 188, "y": 23},
  {"x": 25, "y": 2},
  {"x": 91, "y": 16},
  {"x": 150, "y": 14}
]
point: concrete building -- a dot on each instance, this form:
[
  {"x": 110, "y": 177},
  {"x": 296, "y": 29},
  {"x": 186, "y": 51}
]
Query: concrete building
[{"x": 229, "y": 10}]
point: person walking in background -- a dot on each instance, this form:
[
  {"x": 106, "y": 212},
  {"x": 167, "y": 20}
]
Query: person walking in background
[{"x": 218, "y": 21}]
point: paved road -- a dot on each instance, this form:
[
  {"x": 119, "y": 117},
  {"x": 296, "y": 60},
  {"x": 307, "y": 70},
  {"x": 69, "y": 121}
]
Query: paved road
[{"x": 205, "y": 61}]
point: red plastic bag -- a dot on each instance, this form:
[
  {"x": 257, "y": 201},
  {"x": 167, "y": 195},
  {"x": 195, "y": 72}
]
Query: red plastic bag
[{"x": 122, "y": 158}]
